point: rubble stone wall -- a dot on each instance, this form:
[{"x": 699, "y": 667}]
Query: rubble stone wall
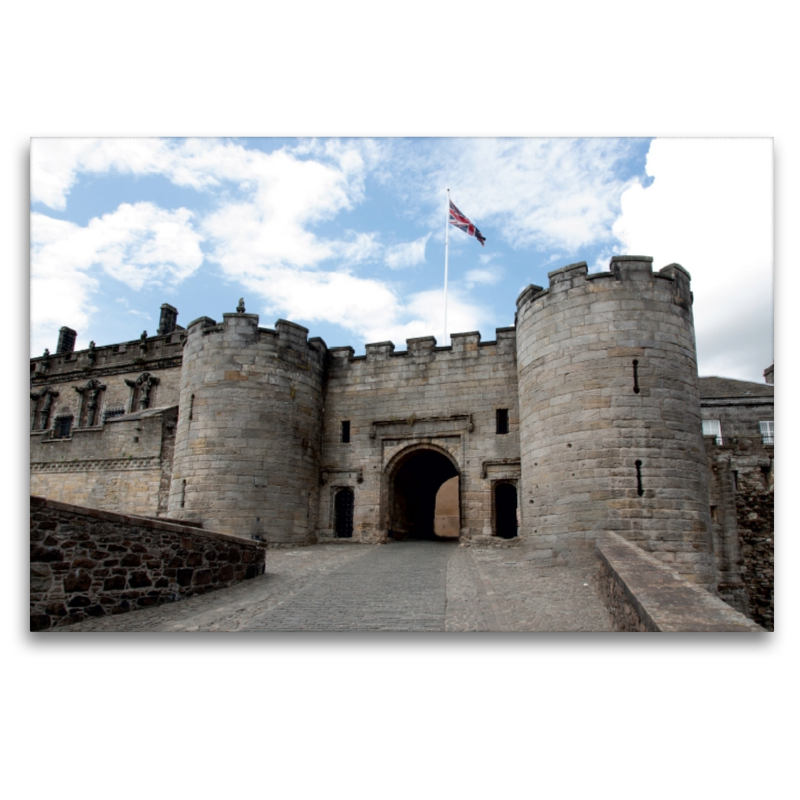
[
  {"x": 86, "y": 562},
  {"x": 755, "y": 514}
]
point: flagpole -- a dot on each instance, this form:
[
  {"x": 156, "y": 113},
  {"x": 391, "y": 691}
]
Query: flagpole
[{"x": 446, "y": 247}]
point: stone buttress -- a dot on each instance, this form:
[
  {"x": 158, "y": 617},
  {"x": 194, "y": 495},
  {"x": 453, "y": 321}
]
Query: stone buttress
[
  {"x": 247, "y": 449},
  {"x": 610, "y": 430}
]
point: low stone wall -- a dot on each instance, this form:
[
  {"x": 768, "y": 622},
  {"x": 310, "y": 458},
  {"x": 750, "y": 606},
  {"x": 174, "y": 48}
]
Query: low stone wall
[
  {"x": 86, "y": 562},
  {"x": 642, "y": 594}
]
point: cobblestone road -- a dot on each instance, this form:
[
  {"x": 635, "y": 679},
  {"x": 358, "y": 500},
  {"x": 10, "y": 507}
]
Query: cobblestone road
[{"x": 404, "y": 586}]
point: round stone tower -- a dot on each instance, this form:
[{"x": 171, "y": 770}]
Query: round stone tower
[
  {"x": 248, "y": 443},
  {"x": 610, "y": 425}
]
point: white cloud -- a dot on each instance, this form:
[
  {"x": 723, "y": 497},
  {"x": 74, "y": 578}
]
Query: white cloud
[
  {"x": 486, "y": 277},
  {"x": 423, "y": 315},
  {"x": 60, "y": 288},
  {"x": 709, "y": 208},
  {"x": 407, "y": 254},
  {"x": 260, "y": 233},
  {"x": 358, "y": 304},
  {"x": 55, "y": 164},
  {"x": 135, "y": 244},
  {"x": 542, "y": 193}
]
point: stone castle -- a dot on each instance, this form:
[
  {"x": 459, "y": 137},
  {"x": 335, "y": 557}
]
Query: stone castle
[{"x": 586, "y": 416}]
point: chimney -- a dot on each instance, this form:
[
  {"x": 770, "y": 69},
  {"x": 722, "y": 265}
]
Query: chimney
[
  {"x": 66, "y": 340},
  {"x": 169, "y": 318}
]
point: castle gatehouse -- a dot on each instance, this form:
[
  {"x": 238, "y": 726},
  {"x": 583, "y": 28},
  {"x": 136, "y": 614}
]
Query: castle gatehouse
[{"x": 586, "y": 416}]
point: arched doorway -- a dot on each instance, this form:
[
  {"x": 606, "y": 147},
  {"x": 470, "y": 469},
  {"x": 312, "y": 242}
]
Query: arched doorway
[
  {"x": 414, "y": 482},
  {"x": 505, "y": 510},
  {"x": 343, "y": 513}
]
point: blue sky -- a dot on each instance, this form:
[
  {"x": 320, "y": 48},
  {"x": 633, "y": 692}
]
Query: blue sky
[{"x": 346, "y": 236}]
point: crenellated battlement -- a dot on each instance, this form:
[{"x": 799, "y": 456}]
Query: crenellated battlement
[
  {"x": 240, "y": 329},
  {"x": 425, "y": 348},
  {"x": 628, "y": 270}
]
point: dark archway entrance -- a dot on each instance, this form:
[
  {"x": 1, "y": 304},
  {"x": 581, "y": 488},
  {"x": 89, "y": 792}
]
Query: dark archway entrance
[
  {"x": 343, "y": 513},
  {"x": 413, "y": 488},
  {"x": 505, "y": 509}
]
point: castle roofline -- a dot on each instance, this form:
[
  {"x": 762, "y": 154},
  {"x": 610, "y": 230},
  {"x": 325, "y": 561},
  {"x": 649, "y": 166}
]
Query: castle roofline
[{"x": 714, "y": 387}]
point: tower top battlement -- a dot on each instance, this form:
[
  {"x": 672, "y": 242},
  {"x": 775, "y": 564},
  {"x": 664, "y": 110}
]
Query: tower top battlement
[
  {"x": 623, "y": 268},
  {"x": 240, "y": 329}
]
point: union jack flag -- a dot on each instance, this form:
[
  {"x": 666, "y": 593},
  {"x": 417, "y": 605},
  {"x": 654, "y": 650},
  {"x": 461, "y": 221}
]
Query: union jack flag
[{"x": 462, "y": 223}]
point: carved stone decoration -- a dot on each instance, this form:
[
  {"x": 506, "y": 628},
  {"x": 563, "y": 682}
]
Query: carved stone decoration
[
  {"x": 44, "y": 415},
  {"x": 92, "y": 354},
  {"x": 89, "y": 395},
  {"x": 35, "y": 397},
  {"x": 143, "y": 342},
  {"x": 240, "y": 307},
  {"x": 44, "y": 365},
  {"x": 142, "y": 388}
]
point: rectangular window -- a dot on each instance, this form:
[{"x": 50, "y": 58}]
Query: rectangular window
[
  {"x": 767, "y": 429},
  {"x": 62, "y": 427},
  {"x": 345, "y": 431},
  {"x": 502, "y": 420},
  {"x": 711, "y": 427}
]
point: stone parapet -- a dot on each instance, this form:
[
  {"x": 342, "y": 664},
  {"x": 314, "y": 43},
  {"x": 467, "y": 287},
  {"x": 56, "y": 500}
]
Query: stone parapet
[
  {"x": 86, "y": 562},
  {"x": 642, "y": 594},
  {"x": 153, "y": 353}
]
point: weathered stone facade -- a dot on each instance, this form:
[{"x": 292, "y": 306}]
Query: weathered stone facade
[
  {"x": 741, "y": 492},
  {"x": 584, "y": 417},
  {"x": 610, "y": 414}
]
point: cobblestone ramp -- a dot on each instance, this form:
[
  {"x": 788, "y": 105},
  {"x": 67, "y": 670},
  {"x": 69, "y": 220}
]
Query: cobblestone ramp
[
  {"x": 400, "y": 587},
  {"x": 405, "y": 586}
]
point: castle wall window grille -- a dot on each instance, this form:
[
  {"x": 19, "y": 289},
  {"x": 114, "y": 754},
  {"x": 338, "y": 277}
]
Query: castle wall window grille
[
  {"x": 711, "y": 427},
  {"x": 116, "y": 410},
  {"x": 343, "y": 513},
  {"x": 62, "y": 426},
  {"x": 767, "y": 429},
  {"x": 502, "y": 421}
]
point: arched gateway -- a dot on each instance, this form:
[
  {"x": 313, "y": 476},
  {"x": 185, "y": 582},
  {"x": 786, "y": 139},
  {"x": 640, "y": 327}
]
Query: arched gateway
[{"x": 414, "y": 479}]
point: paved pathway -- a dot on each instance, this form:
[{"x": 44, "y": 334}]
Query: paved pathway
[{"x": 404, "y": 586}]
